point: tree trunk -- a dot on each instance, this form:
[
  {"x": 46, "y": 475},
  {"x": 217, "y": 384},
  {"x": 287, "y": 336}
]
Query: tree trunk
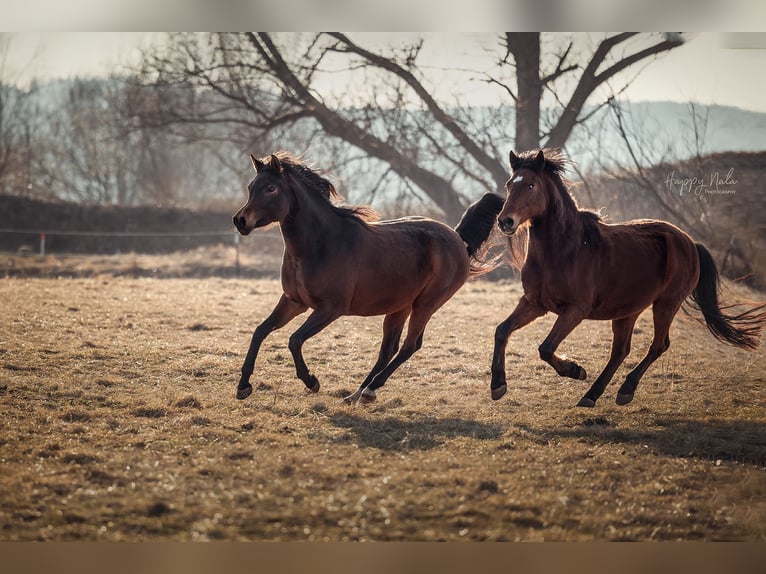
[{"x": 525, "y": 48}]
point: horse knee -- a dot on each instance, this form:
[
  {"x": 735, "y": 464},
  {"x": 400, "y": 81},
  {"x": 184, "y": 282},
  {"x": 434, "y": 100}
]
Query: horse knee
[
  {"x": 621, "y": 353},
  {"x": 408, "y": 349},
  {"x": 502, "y": 331},
  {"x": 661, "y": 347},
  {"x": 262, "y": 331},
  {"x": 546, "y": 352},
  {"x": 294, "y": 344}
]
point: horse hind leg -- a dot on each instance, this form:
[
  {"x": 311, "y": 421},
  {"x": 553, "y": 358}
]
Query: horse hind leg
[
  {"x": 393, "y": 325},
  {"x": 412, "y": 343},
  {"x": 622, "y": 331},
  {"x": 663, "y": 311}
]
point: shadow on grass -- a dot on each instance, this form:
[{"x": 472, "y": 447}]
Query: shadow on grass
[
  {"x": 394, "y": 433},
  {"x": 737, "y": 441}
]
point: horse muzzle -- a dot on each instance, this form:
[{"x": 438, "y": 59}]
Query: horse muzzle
[
  {"x": 508, "y": 225},
  {"x": 241, "y": 224}
]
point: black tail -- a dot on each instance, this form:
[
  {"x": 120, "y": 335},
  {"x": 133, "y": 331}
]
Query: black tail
[
  {"x": 742, "y": 330},
  {"x": 478, "y": 220},
  {"x": 475, "y": 227}
]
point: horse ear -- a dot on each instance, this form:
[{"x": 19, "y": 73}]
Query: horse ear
[
  {"x": 275, "y": 164},
  {"x": 540, "y": 160},
  {"x": 515, "y": 161},
  {"x": 258, "y": 165}
]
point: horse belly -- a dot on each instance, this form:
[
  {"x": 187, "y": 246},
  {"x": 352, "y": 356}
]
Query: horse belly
[
  {"x": 382, "y": 289},
  {"x": 421, "y": 260},
  {"x": 618, "y": 309}
]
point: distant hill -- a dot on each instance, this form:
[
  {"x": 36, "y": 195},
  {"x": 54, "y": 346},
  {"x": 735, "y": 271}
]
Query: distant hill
[
  {"x": 666, "y": 131},
  {"x": 665, "y": 123}
]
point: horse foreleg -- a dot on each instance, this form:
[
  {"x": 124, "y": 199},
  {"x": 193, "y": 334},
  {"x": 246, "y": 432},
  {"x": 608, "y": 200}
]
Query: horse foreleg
[
  {"x": 283, "y": 313},
  {"x": 318, "y": 320},
  {"x": 524, "y": 313},
  {"x": 393, "y": 325},
  {"x": 565, "y": 324},
  {"x": 622, "y": 332}
]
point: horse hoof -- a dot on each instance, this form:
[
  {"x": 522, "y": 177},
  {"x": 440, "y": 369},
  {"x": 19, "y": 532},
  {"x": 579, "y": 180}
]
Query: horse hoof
[
  {"x": 586, "y": 402},
  {"x": 582, "y": 375},
  {"x": 498, "y": 392},
  {"x": 315, "y": 387},
  {"x": 623, "y": 398},
  {"x": 244, "y": 392},
  {"x": 368, "y": 396},
  {"x": 352, "y": 398}
]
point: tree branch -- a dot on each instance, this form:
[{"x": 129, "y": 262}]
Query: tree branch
[
  {"x": 489, "y": 163},
  {"x": 591, "y": 79},
  {"x": 437, "y": 188}
]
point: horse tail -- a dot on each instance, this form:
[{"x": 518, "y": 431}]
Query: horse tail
[
  {"x": 475, "y": 227},
  {"x": 743, "y": 329}
]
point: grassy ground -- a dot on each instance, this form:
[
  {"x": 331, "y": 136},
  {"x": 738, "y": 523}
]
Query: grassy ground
[{"x": 119, "y": 422}]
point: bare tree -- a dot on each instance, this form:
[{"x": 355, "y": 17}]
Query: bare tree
[
  {"x": 86, "y": 161},
  {"x": 267, "y": 84},
  {"x": 19, "y": 115},
  {"x": 94, "y": 152},
  {"x": 640, "y": 171}
]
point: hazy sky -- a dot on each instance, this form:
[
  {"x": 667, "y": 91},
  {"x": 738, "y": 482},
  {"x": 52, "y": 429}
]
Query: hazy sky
[{"x": 705, "y": 69}]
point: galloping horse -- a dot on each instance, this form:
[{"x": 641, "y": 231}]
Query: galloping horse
[
  {"x": 579, "y": 267},
  {"x": 337, "y": 261}
]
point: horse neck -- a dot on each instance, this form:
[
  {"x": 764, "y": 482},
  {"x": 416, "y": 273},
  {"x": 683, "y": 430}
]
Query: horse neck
[
  {"x": 559, "y": 231},
  {"x": 308, "y": 225}
]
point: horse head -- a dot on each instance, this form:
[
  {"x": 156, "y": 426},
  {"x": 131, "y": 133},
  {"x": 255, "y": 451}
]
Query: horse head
[
  {"x": 268, "y": 198},
  {"x": 527, "y": 192}
]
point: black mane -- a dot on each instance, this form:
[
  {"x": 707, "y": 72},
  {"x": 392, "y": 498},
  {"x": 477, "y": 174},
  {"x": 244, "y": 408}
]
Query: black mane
[
  {"x": 313, "y": 181},
  {"x": 555, "y": 162}
]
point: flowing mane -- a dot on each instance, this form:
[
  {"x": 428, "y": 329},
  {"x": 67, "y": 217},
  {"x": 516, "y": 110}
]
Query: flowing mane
[
  {"x": 313, "y": 181},
  {"x": 566, "y": 213}
]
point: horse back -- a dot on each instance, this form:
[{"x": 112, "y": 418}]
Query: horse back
[{"x": 417, "y": 244}]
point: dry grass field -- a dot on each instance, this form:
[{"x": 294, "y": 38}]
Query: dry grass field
[{"x": 119, "y": 422}]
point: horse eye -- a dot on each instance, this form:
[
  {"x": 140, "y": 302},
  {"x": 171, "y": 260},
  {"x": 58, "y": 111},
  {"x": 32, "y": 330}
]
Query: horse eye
[
  {"x": 531, "y": 186},
  {"x": 271, "y": 189}
]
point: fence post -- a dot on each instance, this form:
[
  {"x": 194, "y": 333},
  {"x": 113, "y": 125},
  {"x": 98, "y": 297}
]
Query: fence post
[
  {"x": 42, "y": 244},
  {"x": 236, "y": 250}
]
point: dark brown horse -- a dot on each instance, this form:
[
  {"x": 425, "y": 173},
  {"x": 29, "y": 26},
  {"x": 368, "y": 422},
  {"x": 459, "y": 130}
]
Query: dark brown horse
[
  {"x": 338, "y": 262},
  {"x": 579, "y": 267}
]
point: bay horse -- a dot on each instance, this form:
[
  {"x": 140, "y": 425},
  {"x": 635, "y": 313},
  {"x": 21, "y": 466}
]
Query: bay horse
[
  {"x": 338, "y": 261},
  {"x": 579, "y": 267}
]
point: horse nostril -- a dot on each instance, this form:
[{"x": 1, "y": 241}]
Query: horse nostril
[
  {"x": 506, "y": 223},
  {"x": 239, "y": 222}
]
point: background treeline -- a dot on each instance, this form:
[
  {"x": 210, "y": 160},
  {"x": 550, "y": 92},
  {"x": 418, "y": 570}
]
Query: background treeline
[{"x": 175, "y": 133}]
